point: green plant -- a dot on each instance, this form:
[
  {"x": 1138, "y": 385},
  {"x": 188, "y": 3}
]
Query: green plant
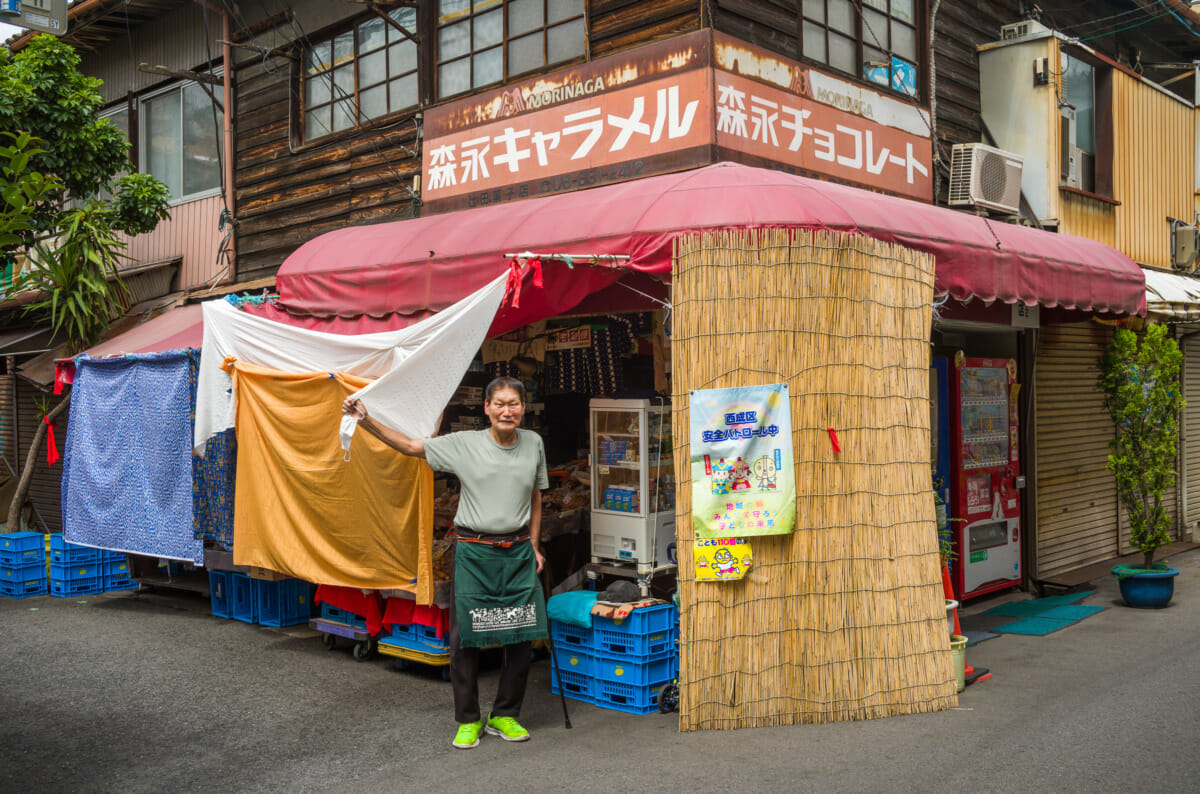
[
  {"x": 21, "y": 188},
  {"x": 140, "y": 203},
  {"x": 1143, "y": 395}
]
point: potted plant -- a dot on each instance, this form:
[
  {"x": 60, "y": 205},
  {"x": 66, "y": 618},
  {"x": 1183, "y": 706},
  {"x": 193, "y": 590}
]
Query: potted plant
[{"x": 1142, "y": 392}]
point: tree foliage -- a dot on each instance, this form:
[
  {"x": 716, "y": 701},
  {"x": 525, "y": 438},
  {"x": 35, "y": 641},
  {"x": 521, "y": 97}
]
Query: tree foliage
[
  {"x": 21, "y": 188},
  {"x": 1143, "y": 394}
]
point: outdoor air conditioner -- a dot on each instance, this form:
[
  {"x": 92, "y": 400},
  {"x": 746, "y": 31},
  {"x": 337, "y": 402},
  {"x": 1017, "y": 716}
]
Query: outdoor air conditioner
[
  {"x": 1185, "y": 244},
  {"x": 1068, "y": 173},
  {"x": 983, "y": 176},
  {"x": 1019, "y": 30}
]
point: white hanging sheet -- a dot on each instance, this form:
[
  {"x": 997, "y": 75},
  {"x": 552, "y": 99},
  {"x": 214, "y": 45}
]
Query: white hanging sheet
[{"x": 417, "y": 368}]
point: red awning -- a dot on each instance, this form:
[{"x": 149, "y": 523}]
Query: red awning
[
  {"x": 174, "y": 329},
  {"x": 368, "y": 278}
]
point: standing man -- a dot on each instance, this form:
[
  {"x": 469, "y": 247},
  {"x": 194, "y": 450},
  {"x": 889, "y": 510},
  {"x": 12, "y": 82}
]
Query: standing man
[{"x": 496, "y": 598}]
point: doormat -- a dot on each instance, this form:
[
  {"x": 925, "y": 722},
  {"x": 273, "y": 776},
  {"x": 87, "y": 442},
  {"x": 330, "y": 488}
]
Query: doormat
[
  {"x": 976, "y": 637},
  {"x": 1052, "y": 619},
  {"x": 1036, "y": 606}
]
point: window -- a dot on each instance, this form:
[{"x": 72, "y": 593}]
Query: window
[
  {"x": 482, "y": 42},
  {"x": 119, "y": 118},
  {"x": 874, "y": 39},
  {"x": 361, "y": 74},
  {"x": 1079, "y": 91},
  {"x": 180, "y": 142}
]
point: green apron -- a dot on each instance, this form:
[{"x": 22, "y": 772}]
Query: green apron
[{"x": 497, "y": 596}]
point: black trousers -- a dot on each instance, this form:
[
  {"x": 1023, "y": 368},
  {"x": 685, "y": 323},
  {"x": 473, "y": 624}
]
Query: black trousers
[{"x": 464, "y": 676}]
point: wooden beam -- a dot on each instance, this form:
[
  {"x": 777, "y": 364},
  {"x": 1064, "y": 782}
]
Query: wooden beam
[
  {"x": 202, "y": 80},
  {"x": 384, "y": 16}
]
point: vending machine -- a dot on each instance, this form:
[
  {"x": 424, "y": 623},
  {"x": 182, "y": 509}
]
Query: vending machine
[
  {"x": 939, "y": 443},
  {"x": 985, "y": 470}
]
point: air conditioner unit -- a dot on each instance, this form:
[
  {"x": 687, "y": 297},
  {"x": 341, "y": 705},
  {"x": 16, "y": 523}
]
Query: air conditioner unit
[
  {"x": 1068, "y": 173},
  {"x": 983, "y": 176},
  {"x": 1019, "y": 30},
  {"x": 1185, "y": 244}
]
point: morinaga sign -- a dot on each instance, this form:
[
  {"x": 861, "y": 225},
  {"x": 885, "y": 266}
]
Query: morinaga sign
[{"x": 671, "y": 105}]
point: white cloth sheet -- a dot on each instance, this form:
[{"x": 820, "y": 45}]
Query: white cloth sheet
[{"x": 416, "y": 369}]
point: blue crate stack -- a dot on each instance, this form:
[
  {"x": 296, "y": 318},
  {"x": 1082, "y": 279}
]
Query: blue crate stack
[
  {"x": 342, "y": 616},
  {"x": 75, "y": 570},
  {"x": 617, "y": 664},
  {"x": 22, "y": 564},
  {"x": 116, "y": 571},
  {"x": 284, "y": 602}
]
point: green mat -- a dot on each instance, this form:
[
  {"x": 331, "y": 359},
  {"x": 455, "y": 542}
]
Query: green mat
[
  {"x": 1036, "y": 606},
  {"x": 1035, "y": 626},
  {"x": 1041, "y": 616}
]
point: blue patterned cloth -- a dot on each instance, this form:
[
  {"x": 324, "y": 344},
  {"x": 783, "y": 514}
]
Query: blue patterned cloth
[
  {"x": 127, "y": 469},
  {"x": 212, "y": 490}
]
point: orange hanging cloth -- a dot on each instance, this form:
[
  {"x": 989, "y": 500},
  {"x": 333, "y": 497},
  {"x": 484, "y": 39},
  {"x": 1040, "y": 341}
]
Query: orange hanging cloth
[{"x": 302, "y": 509}]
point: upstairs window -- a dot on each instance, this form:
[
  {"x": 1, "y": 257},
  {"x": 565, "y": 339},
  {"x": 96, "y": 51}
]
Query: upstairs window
[
  {"x": 877, "y": 40},
  {"x": 1086, "y": 123},
  {"x": 180, "y": 142},
  {"x": 484, "y": 42},
  {"x": 361, "y": 74}
]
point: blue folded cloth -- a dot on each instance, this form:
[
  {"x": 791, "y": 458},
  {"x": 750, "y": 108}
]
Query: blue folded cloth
[{"x": 574, "y": 607}]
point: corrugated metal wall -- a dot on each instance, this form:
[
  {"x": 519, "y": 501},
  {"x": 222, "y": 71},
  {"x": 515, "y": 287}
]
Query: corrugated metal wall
[
  {"x": 1086, "y": 217},
  {"x": 45, "y": 491},
  {"x": 1153, "y": 169},
  {"x": 1191, "y": 431},
  {"x": 191, "y": 233},
  {"x": 6, "y": 424},
  {"x": 175, "y": 40}
]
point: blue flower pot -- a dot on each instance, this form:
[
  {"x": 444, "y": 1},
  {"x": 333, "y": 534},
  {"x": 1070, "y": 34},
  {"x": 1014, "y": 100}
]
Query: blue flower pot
[{"x": 1147, "y": 589}]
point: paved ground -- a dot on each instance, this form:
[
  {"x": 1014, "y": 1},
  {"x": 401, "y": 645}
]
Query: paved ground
[{"x": 149, "y": 692}]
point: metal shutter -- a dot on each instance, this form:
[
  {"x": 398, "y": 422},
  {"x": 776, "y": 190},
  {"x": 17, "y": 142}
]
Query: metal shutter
[{"x": 1191, "y": 431}]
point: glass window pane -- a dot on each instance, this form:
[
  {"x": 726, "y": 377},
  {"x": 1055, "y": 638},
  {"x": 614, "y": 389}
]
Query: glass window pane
[
  {"x": 343, "y": 114},
  {"x": 484, "y": 5},
  {"x": 451, "y": 10},
  {"x": 372, "y": 35},
  {"x": 372, "y": 69},
  {"x": 525, "y": 53},
  {"x": 566, "y": 41},
  {"x": 454, "y": 41},
  {"x": 316, "y": 123},
  {"x": 343, "y": 47},
  {"x": 373, "y": 102},
  {"x": 201, "y": 141},
  {"x": 317, "y": 90},
  {"x": 489, "y": 67},
  {"x": 406, "y": 16},
  {"x": 882, "y": 5},
  {"x": 524, "y": 16},
  {"x": 877, "y": 66},
  {"x": 343, "y": 82},
  {"x": 814, "y": 42},
  {"x": 558, "y": 10},
  {"x": 402, "y": 58},
  {"x": 842, "y": 53},
  {"x": 903, "y": 10},
  {"x": 163, "y": 141},
  {"x": 1079, "y": 79},
  {"x": 402, "y": 93},
  {"x": 454, "y": 78},
  {"x": 320, "y": 57},
  {"x": 904, "y": 41},
  {"x": 489, "y": 29},
  {"x": 841, "y": 17},
  {"x": 875, "y": 29},
  {"x": 120, "y": 120},
  {"x": 815, "y": 10}
]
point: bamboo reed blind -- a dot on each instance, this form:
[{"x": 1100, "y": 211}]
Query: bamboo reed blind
[{"x": 844, "y": 618}]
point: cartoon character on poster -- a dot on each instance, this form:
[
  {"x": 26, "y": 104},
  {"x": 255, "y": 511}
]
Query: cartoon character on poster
[
  {"x": 722, "y": 559},
  {"x": 743, "y": 480}
]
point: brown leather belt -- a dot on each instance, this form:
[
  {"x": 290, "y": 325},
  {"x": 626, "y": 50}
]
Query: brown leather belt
[{"x": 499, "y": 541}]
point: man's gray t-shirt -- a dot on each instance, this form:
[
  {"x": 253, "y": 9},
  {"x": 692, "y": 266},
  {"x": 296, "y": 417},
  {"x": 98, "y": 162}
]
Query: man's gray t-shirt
[{"x": 497, "y": 481}]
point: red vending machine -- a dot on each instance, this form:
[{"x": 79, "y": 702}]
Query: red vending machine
[{"x": 984, "y": 471}]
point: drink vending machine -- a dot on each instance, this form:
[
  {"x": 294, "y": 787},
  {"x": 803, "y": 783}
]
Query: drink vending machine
[{"x": 985, "y": 468}]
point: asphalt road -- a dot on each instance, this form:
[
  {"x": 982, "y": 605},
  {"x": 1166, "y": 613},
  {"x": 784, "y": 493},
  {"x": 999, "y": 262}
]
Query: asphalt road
[{"x": 149, "y": 692}]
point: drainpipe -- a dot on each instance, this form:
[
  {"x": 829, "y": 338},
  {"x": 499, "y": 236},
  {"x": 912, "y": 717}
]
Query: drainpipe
[{"x": 227, "y": 84}]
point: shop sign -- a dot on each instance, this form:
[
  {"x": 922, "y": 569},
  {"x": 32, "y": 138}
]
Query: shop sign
[
  {"x": 743, "y": 480},
  {"x": 678, "y": 103},
  {"x": 571, "y": 338},
  {"x": 722, "y": 559}
]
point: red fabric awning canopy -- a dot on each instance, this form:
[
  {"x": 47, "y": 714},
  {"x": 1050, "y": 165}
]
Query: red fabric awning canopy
[
  {"x": 370, "y": 277},
  {"x": 174, "y": 329}
]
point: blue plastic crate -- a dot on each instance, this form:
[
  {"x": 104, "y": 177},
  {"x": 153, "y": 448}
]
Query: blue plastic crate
[
  {"x": 428, "y": 634},
  {"x": 218, "y": 593},
  {"x": 401, "y": 641},
  {"x": 285, "y": 602},
  {"x": 69, "y": 572},
  {"x": 622, "y": 643},
  {"x": 568, "y": 635},
  {"x": 644, "y": 621},
  {"x": 574, "y": 660},
  {"x": 574, "y": 685},
  {"x": 625, "y": 697},
  {"x": 23, "y": 573},
  {"x": 116, "y": 567},
  {"x": 119, "y": 582},
  {"x": 402, "y": 631},
  {"x": 22, "y": 548},
  {"x": 66, "y": 553},
  {"x": 635, "y": 673},
  {"x": 80, "y": 585},
  {"x": 241, "y": 590},
  {"x": 27, "y": 589},
  {"x": 342, "y": 616}
]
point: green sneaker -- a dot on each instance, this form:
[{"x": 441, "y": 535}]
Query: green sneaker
[
  {"x": 507, "y": 729},
  {"x": 468, "y": 735}
]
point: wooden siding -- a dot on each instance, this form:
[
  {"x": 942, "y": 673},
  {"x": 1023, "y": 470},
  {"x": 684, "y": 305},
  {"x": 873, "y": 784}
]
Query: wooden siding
[
  {"x": 192, "y": 234},
  {"x": 960, "y": 26},
  {"x": 1076, "y": 498},
  {"x": 45, "y": 490},
  {"x": 1153, "y": 168}
]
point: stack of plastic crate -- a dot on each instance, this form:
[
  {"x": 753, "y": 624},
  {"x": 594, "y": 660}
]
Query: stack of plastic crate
[
  {"x": 22, "y": 564},
  {"x": 74, "y": 570},
  {"x": 282, "y": 602},
  {"x": 617, "y": 664},
  {"x": 115, "y": 565}
]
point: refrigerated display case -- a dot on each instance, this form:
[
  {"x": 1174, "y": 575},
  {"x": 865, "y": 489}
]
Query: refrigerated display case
[{"x": 633, "y": 483}]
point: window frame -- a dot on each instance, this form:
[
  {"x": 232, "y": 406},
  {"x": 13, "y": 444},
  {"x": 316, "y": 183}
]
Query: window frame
[
  {"x": 1102, "y": 122},
  {"x": 506, "y": 75},
  {"x": 142, "y": 152},
  {"x": 918, "y": 25}
]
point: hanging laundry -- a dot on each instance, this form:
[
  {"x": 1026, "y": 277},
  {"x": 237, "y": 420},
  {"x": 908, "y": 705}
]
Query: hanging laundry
[
  {"x": 302, "y": 509},
  {"x": 127, "y": 470},
  {"x": 212, "y": 490}
]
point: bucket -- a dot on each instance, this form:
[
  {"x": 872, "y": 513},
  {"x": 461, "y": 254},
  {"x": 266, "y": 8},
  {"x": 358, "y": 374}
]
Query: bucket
[
  {"x": 951, "y": 605},
  {"x": 958, "y": 652}
]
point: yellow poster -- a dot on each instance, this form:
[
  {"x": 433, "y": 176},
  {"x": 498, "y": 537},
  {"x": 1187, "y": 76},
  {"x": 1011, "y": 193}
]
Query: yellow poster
[{"x": 722, "y": 559}]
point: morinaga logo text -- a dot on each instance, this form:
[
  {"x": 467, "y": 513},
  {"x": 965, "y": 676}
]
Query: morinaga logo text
[
  {"x": 553, "y": 96},
  {"x": 503, "y": 618}
]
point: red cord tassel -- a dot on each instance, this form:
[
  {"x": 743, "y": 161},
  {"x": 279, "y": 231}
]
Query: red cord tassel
[{"x": 52, "y": 455}]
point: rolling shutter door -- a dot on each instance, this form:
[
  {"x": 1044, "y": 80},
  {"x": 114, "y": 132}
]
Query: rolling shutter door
[
  {"x": 1076, "y": 498},
  {"x": 1191, "y": 430},
  {"x": 6, "y": 424}
]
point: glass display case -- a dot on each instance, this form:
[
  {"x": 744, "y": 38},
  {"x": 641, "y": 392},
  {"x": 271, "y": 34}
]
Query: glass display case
[{"x": 633, "y": 481}]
